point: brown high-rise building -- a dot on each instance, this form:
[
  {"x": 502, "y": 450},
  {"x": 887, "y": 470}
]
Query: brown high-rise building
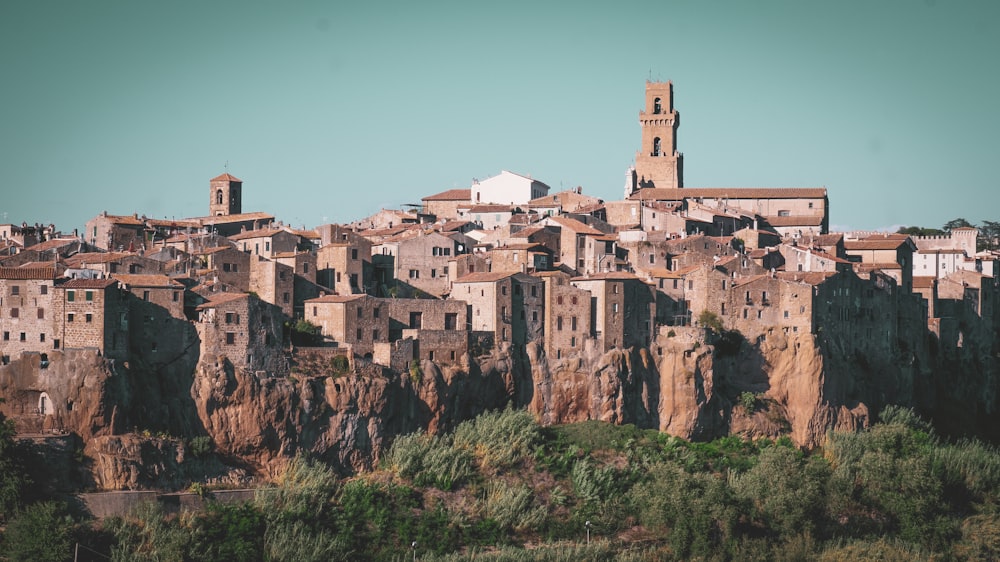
[{"x": 658, "y": 164}]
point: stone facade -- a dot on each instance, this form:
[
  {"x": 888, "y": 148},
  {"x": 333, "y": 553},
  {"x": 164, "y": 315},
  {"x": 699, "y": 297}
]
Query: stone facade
[
  {"x": 445, "y": 205},
  {"x": 245, "y": 331},
  {"x": 657, "y": 163},
  {"x": 345, "y": 266},
  {"x": 266, "y": 242},
  {"x": 356, "y": 320},
  {"x": 426, "y": 314},
  {"x": 623, "y": 308},
  {"x": 26, "y": 311},
  {"x": 420, "y": 259},
  {"x": 274, "y": 282},
  {"x": 92, "y": 313},
  {"x": 228, "y": 265},
  {"x": 567, "y": 315}
]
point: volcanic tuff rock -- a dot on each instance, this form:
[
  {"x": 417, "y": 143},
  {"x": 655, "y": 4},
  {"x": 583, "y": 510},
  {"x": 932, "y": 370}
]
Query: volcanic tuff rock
[{"x": 136, "y": 421}]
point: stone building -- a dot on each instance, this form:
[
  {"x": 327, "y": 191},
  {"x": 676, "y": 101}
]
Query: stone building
[
  {"x": 225, "y": 194},
  {"x": 158, "y": 290},
  {"x": 266, "y": 242},
  {"x": 355, "y": 320},
  {"x": 657, "y": 163},
  {"x": 26, "y": 312},
  {"x": 567, "y": 315},
  {"x": 91, "y": 313},
  {"x": 303, "y": 264},
  {"x": 226, "y": 264},
  {"x": 109, "y": 263},
  {"x": 345, "y": 265},
  {"x": 509, "y": 305},
  {"x": 116, "y": 232},
  {"x": 419, "y": 258},
  {"x": 438, "y": 328},
  {"x": 444, "y": 205},
  {"x": 273, "y": 282},
  {"x": 583, "y": 248},
  {"x": 891, "y": 253},
  {"x": 623, "y": 308},
  {"x": 243, "y": 330},
  {"x": 159, "y": 331},
  {"x": 487, "y": 217},
  {"x": 525, "y": 258}
]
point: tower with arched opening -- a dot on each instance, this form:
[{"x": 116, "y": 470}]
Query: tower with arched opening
[
  {"x": 225, "y": 195},
  {"x": 658, "y": 164}
]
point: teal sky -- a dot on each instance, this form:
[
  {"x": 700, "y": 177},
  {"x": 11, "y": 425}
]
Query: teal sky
[{"x": 330, "y": 110}]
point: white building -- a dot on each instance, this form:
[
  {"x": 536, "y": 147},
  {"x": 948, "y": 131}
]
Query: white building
[{"x": 507, "y": 188}]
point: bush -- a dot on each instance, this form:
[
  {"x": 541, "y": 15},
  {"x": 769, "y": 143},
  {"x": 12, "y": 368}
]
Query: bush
[
  {"x": 40, "y": 533},
  {"x": 201, "y": 446},
  {"x": 429, "y": 461},
  {"x": 785, "y": 493},
  {"x": 512, "y": 507},
  {"x": 499, "y": 439},
  {"x": 13, "y": 475}
]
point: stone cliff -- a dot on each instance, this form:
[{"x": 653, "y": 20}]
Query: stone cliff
[{"x": 137, "y": 423}]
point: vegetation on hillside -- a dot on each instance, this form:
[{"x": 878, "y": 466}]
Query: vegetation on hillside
[{"x": 502, "y": 488}]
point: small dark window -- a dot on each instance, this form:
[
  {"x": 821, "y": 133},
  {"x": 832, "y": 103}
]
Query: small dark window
[
  {"x": 14, "y": 313},
  {"x": 657, "y": 106},
  {"x": 656, "y": 146},
  {"x": 90, "y": 295},
  {"x": 70, "y": 296},
  {"x": 230, "y": 338},
  {"x": 41, "y": 313},
  {"x": 44, "y": 289},
  {"x": 90, "y": 317}
]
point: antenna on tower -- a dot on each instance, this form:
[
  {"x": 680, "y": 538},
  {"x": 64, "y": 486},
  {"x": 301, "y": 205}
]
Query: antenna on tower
[{"x": 226, "y": 166}]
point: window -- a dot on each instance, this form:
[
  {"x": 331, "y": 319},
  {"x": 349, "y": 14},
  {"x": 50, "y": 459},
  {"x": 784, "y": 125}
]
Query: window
[
  {"x": 70, "y": 296},
  {"x": 503, "y": 290},
  {"x": 657, "y": 106},
  {"x": 230, "y": 338},
  {"x": 416, "y": 320},
  {"x": 652, "y": 258},
  {"x": 15, "y": 290},
  {"x": 89, "y": 295},
  {"x": 176, "y": 296},
  {"x": 305, "y": 268},
  {"x": 376, "y": 312},
  {"x": 41, "y": 314},
  {"x": 534, "y": 291},
  {"x": 70, "y": 317},
  {"x": 614, "y": 308},
  {"x": 451, "y": 321},
  {"x": 359, "y": 334},
  {"x": 503, "y": 334},
  {"x": 572, "y": 341},
  {"x": 430, "y": 355},
  {"x": 559, "y": 299},
  {"x": 90, "y": 317},
  {"x": 534, "y": 316},
  {"x": 6, "y": 336},
  {"x": 573, "y": 300},
  {"x": 145, "y": 295},
  {"x": 414, "y": 274},
  {"x": 559, "y": 323},
  {"x": 43, "y": 289},
  {"x": 285, "y": 298},
  {"x": 14, "y": 313},
  {"x": 783, "y": 213},
  {"x": 361, "y": 312},
  {"x": 230, "y": 318},
  {"x": 24, "y": 336},
  {"x": 614, "y": 288},
  {"x": 374, "y": 335},
  {"x": 281, "y": 275},
  {"x": 236, "y": 267},
  {"x": 434, "y": 273},
  {"x": 267, "y": 246},
  {"x": 354, "y": 253},
  {"x": 152, "y": 347},
  {"x": 218, "y": 197},
  {"x": 810, "y": 205},
  {"x": 573, "y": 323}
]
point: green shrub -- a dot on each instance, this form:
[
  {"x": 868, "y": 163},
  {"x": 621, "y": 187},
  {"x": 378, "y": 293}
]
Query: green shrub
[
  {"x": 42, "y": 532},
  {"x": 201, "y": 446},
  {"x": 784, "y": 492},
  {"x": 499, "y": 440},
  {"x": 429, "y": 460},
  {"x": 512, "y": 507}
]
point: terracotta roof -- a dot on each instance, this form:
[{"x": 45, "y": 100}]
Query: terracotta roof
[
  {"x": 869, "y": 267},
  {"x": 807, "y": 277},
  {"x": 924, "y": 282},
  {"x": 608, "y": 276},
  {"x": 226, "y": 219},
  {"x": 660, "y": 272},
  {"x": 335, "y": 299},
  {"x": 827, "y": 239},
  {"x": 172, "y": 223},
  {"x": 450, "y": 195},
  {"x": 453, "y": 225},
  {"x": 668, "y": 194},
  {"x": 942, "y": 251},
  {"x": 227, "y": 177},
  {"x": 801, "y": 220},
  {"x": 96, "y": 258},
  {"x": 575, "y": 226},
  {"x": 87, "y": 284},
  {"x": 215, "y": 250},
  {"x": 874, "y": 244},
  {"x": 490, "y": 209},
  {"x": 26, "y": 273},
  {"x": 260, "y": 233},
  {"x": 484, "y": 277},
  {"x": 122, "y": 219},
  {"x": 146, "y": 280},
  {"x": 218, "y": 299},
  {"x": 51, "y": 244}
]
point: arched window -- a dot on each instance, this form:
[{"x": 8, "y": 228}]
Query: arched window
[
  {"x": 657, "y": 107},
  {"x": 218, "y": 197},
  {"x": 656, "y": 146}
]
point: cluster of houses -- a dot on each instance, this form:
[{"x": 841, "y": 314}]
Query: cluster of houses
[{"x": 501, "y": 263}]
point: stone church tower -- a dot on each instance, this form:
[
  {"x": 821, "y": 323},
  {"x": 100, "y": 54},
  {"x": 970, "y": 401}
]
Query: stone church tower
[
  {"x": 658, "y": 164},
  {"x": 225, "y": 195}
]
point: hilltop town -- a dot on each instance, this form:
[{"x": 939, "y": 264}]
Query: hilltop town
[{"x": 582, "y": 308}]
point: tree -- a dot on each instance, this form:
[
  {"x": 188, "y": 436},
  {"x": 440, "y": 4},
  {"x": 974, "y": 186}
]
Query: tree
[
  {"x": 956, "y": 223},
  {"x": 920, "y": 231},
  {"x": 13, "y": 477},
  {"x": 989, "y": 235},
  {"x": 710, "y": 320},
  {"x": 40, "y": 533}
]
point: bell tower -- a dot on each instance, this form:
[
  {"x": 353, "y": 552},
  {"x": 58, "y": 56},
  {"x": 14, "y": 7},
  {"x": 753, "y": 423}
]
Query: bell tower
[
  {"x": 225, "y": 195},
  {"x": 658, "y": 164}
]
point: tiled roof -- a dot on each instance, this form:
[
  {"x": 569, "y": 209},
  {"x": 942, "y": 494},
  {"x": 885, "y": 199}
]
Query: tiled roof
[
  {"x": 220, "y": 299},
  {"x": 801, "y": 220},
  {"x": 260, "y": 233},
  {"x": 807, "y": 277},
  {"x": 450, "y": 195},
  {"x": 25, "y": 273},
  {"x": 575, "y": 226},
  {"x": 52, "y": 244},
  {"x": 227, "y": 177},
  {"x": 490, "y": 209},
  {"x": 869, "y": 267},
  {"x": 484, "y": 277},
  {"x": 335, "y": 299},
  {"x": 874, "y": 244},
  {"x": 608, "y": 276},
  {"x": 146, "y": 280},
  {"x": 87, "y": 284},
  {"x": 668, "y": 194},
  {"x": 227, "y": 219},
  {"x": 924, "y": 282},
  {"x": 660, "y": 272},
  {"x": 95, "y": 258}
]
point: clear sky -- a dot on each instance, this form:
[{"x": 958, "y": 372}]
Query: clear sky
[{"x": 330, "y": 110}]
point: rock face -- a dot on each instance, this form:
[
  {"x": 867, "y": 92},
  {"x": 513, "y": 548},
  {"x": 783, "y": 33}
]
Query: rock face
[{"x": 137, "y": 421}]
